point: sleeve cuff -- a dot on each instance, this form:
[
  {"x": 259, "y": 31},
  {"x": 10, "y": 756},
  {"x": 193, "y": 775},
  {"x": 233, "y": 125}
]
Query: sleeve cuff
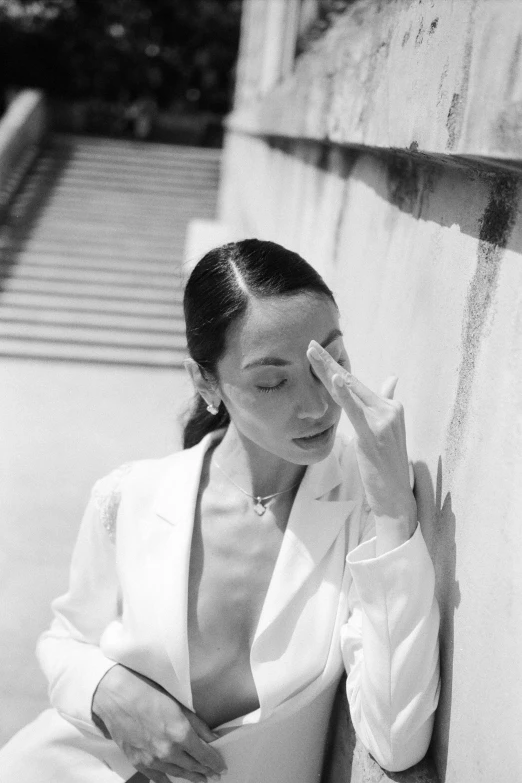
[
  {"x": 73, "y": 692},
  {"x": 389, "y": 581}
]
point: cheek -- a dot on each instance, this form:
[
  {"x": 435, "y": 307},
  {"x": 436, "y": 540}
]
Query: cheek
[{"x": 255, "y": 407}]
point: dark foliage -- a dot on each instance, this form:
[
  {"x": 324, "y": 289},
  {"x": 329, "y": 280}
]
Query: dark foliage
[{"x": 178, "y": 53}]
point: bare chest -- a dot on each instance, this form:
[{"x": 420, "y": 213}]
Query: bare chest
[{"x": 233, "y": 556}]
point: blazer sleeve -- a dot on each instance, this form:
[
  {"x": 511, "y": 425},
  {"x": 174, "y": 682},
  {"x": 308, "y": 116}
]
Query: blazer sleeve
[
  {"x": 390, "y": 649},
  {"x": 69, "y": 651}
]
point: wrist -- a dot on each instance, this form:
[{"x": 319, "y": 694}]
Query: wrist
[
  {"x": 392, "y": 531},
  {"x": 110, "y": 680}
]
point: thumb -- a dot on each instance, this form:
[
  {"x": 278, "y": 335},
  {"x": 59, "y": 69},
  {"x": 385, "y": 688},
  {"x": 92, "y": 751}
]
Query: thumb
[
  {"x": 201, "y": 728},
  {"x": 388, "y": 387}
]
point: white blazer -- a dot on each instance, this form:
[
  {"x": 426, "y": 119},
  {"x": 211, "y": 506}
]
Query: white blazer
[{"x": 331, "y": 604}]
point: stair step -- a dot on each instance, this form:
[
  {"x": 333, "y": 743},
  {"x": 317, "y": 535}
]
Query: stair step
[
  {"x": 83, "y": 335},
  {"x": 91, "y": 256},
  {"x": 129, "y": 248},
  {"x": 89, "y": 235},
  {"x": 72, "y": 303},
  {"x": 90, "y": 145},
  {"x": 90, "y": 289},
  {"x": 148, "y": 211},
  {"x": 69, "y": 261},
  {"x": 78, "y": 186},
  {"x": 103, "y": 251},
  {"x": 26, "y": 271},
  {"x": 174, "y": 327},
  {"x": 72, "y": 352},
  {"x": 188, "y": 171}
]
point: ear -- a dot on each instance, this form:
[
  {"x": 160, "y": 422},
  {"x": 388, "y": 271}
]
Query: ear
[{"x": 202, "y": 385}]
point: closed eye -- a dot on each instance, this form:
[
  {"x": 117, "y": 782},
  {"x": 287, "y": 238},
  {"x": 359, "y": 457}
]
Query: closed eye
[{"x": 268, "y": 389}]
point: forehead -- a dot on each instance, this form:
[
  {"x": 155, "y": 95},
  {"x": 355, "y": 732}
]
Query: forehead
[{"x": 281, "y": 326}]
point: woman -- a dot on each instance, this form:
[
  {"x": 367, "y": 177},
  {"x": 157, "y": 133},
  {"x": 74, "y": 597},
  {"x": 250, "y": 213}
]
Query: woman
[{"x": 217, "y": 595}]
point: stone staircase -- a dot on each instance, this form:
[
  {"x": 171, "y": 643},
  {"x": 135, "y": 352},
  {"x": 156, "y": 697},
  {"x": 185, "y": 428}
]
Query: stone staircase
[{"x": 91, "y": 251}]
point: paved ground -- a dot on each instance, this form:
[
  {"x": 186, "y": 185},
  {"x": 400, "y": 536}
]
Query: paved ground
[{"x": 62, "y": 426}]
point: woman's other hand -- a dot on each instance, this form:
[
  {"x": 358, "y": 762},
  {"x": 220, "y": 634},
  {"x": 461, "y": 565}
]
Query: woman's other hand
[
  {"x": 158, "y": 735},
  {"x": 380, "y": 442}
]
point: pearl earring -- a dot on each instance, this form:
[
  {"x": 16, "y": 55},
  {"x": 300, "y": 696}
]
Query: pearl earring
[{"x": 212, "y": 409}]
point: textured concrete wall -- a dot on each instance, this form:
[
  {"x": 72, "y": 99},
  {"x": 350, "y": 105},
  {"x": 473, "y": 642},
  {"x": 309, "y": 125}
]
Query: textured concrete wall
[
  {"x": 384, "y": 63},
  {"x": 425, "y": 256}
]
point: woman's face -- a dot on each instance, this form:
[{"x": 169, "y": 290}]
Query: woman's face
[{"x": 266, "y": 381}]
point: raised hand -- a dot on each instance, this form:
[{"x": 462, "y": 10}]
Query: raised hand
[
  {"x": 158, "y": 735},
  {"x": 380, "y": 443}
]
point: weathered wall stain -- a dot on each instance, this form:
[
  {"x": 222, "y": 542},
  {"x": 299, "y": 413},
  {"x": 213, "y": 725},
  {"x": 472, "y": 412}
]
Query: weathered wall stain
[
  {"x": 375, "y": 65},
  {"x": 455, "y": 118},
  {"x": 420, "y": 35},
  {"x": 403, "y": 182},
  {"x": 496, "y": 225},
  {"x": 508, "y": 131},
  {"x": 514, "y": 69}
]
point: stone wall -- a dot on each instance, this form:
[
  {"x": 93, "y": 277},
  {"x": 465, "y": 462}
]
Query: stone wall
[{"x": 390, "y": 158}]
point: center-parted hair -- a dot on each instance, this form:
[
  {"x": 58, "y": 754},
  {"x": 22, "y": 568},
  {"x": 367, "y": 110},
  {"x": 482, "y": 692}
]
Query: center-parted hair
[{"x": 217, "y": 294}]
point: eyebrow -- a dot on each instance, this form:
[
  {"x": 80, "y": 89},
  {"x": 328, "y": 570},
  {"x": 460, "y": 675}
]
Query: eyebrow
[{"x": 275, "y": 361}]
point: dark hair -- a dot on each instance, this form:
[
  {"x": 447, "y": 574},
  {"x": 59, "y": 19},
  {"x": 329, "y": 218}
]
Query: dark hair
[{"x": 217, "y": 293}]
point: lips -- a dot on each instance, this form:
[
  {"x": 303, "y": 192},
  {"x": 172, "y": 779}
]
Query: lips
[{"x": 315, "y": 436}]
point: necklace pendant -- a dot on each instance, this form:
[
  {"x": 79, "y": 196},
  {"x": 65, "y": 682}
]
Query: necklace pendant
[{"x": 259, "y": 508}]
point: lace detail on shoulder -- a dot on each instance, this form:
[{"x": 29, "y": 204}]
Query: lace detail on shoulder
[{"x": 107, "y": 496}]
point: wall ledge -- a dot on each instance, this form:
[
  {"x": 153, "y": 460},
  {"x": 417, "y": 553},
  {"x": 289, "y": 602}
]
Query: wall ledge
[
  {"x": 432, "y": 77},
  {"x": 22, "y": 129}
]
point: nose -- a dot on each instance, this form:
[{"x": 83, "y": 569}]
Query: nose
[{"x": 313, "y": 402}]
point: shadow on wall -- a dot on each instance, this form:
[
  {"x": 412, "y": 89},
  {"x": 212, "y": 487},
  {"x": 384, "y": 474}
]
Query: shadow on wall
[
  {"x": 346, "y": 759},
  {"x": 439, "y": 527}
]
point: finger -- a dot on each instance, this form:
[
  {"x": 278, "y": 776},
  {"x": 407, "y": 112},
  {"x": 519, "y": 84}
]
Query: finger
[
  {"x": 349, "y": 403},
  {"x": 148, "y": 774},
  {"x": 411, "y": 474},
  {"x": 324, "y": 365},
  {"x": 200, "y": 727},
  {"x": 388, "y": 387},
  {"x": 176, "y": 771},
  {"x": 332, "y": 368},
  {"x": 182, "y": 761},
  {"x": 203, "y": 753},
  {"x": 191, "y": 765}
]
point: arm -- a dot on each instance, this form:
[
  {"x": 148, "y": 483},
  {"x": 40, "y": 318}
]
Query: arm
[
  {"x": 157, "y": 734},
  {"x": 390, "y": 643},
  {"x": 69, "y": 651},
  {"x": 390, "y": 650}
]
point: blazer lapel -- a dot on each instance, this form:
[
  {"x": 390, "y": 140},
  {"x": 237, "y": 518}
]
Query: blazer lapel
[
  {"x": 176, "y": 506},
  {"x": 315, "y": 522}
]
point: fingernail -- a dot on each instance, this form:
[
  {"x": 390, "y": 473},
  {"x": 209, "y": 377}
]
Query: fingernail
[
  {"x": 338, "y": 381},
  {"x": 314, "y": 353}
]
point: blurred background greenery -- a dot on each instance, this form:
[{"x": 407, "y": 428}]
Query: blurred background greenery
[{"x": 159, "y": 69}]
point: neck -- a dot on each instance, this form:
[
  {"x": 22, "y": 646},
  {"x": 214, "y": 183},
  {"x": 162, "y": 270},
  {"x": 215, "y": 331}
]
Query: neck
[{"x": 255, "y": 470}]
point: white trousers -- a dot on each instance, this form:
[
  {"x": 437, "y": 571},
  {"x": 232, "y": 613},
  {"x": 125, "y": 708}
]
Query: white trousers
[
  {"x": 284, "y": 750},
  {"x": 51, "y": 750}
]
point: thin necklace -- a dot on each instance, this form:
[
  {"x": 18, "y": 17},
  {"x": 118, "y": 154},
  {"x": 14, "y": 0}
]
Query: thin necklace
[{"x": 260, "y": 503}]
